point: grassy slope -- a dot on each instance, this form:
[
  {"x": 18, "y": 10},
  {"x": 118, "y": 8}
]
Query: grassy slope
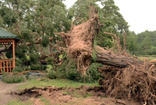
[{"x": 54, "y": 82}]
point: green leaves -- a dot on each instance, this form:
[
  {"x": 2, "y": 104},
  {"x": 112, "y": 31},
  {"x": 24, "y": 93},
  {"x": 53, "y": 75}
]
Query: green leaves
[
  {"x": 147, "y": 42},
  {"x": 34, "y": 21},
  {"x": 45, "y": 41},
  {"x": 26, "y": 34},
  {"x": 8, "y": 16},
  {"x": 111, "y": 18}
]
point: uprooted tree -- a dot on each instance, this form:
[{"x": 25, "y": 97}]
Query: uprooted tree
[{"x": 123, "y": 76}]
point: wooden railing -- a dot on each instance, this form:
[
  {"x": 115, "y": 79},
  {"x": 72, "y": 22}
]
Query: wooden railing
[{"x": 6, "y": 65}]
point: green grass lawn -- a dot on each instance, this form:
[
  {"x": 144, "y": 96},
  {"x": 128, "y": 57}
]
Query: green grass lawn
[
  {"x": 54, "y": 82},
  {"x": 146, "y": 58}
]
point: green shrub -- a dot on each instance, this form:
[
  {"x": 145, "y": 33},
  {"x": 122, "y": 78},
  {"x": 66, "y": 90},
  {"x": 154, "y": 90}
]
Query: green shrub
[
  {"x": 12, "y": 78},
  {"x": 53, "y": 74},
  {"x": 34, "y": 58},
  {"x": 49, "y": 60},
  {"x": 73, "y": 74},
  {"x": 20, "y": 65},
  {"x": 49, "y": 67},
  {"x": 68, "y": 70},
  {"x": 92, "y": 74},
  {"x": 18, "y": 69},
  {"x": 20, "y": 52},
  {"x": 45, "y": 41},
  {"x": 93, "y": 71}
]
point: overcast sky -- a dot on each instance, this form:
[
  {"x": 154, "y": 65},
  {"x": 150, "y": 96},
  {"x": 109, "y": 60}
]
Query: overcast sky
[{"x": 140, "y": 14}]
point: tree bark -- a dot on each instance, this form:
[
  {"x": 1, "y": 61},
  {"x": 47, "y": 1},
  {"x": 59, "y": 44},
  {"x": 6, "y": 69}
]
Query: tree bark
[{"x": 109, "y": 58}]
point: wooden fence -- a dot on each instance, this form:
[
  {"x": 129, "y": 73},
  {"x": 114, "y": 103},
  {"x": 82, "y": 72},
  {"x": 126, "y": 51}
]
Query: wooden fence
[{"x": 6, "y": 65}]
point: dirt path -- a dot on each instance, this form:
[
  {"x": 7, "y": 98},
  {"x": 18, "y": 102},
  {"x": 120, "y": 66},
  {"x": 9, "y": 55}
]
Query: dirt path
[{"x": 5, "y": 89}]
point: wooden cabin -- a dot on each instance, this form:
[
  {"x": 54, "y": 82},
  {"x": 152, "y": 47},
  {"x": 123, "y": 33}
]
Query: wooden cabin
[{"x": 7, "y": 42}]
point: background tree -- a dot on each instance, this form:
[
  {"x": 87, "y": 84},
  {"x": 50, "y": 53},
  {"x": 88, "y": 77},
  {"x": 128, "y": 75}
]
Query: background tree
[
  {"x": 34, "y": 22},
  {"x": 147, "y": 42},
  {"x": 109, "y": 17},
  {"x": 132, "y": 43}
]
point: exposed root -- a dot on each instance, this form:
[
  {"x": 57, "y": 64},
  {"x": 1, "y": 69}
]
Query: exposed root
[
  {"x": 136, "y": 82},
  {"x": 79, "y": 42}
]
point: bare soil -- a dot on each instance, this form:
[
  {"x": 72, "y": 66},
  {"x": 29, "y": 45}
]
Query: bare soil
[
  {"x": 83, "y": 95},
  {"x": 5, "y": 90}
]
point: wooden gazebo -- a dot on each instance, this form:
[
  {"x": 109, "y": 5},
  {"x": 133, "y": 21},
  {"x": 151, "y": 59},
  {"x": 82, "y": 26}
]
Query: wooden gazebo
[{"x": 7, "y": 40}]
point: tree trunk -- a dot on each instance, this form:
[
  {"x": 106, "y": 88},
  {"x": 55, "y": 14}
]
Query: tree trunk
[{"x": 109, "y": 58}]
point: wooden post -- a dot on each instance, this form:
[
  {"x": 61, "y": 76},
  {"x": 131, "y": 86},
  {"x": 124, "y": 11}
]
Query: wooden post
[
  {"x": 7, "y": 66},
  {"x": 13, "y": 54},
  {"x": 10, "y": 66},
  {"x": 3, "y": 66}
]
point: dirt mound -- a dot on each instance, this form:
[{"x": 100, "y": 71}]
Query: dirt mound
[{"x": 83, "y": 95}]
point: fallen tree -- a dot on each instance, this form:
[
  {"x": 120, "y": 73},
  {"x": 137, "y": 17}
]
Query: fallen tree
[
  {"x": 123, "y": 76},
  {"x": 79, "y": 42}
]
